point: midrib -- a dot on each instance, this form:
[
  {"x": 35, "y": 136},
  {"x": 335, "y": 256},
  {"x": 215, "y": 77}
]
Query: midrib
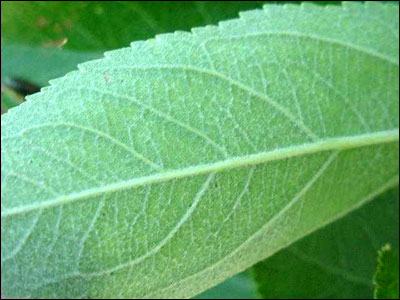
[{"x": 341, "y": 143}]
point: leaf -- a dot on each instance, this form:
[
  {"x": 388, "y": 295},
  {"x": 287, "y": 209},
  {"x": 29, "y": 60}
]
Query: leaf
[
  {"x": 336, "y": 262},
  {"x": 238, "y": 287},
  {"x": 386, "y": 279},
  {"x": 38, "y": 65},
  {"x": 277, "y": 277},
  {"x": 32, "y": 31},
  {"x": 311, "y": 268},
  {"x": 86, "y": 25},
  {"x": 169, "y": 166}
]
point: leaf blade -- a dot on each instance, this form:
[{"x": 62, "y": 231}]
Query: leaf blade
[
  {"x": 336, "y": 262},
  {"x": 137, "y": 108}
]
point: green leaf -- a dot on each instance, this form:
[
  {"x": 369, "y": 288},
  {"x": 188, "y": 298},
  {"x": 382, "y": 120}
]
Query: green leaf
[
  {"x": 386, "y": 279},
  {"x": 37, "y": 64},
  {"x": 240, "y": 286},
  {"x": 32, "y": 31},
  {"x": 53, "y": 37},
  {"x": 169, "y": 166},
  {"x": 86, "y": 25},
  {"x": 336, "y": 262}
]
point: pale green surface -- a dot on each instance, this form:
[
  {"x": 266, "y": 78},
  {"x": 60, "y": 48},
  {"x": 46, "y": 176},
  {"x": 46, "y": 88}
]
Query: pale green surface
[
  {"x": 336, "y": 262},
  {"x": 386, "y": 279},
  {"x": 174, "y": 164}
]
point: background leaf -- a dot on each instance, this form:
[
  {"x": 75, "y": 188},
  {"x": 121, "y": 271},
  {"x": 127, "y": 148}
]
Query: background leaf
[
  {"x": 253, "y": 162},
  {"x": 37, "y": 64},
  {"x": 386, "y": 279},
  {"x": 86, "y": 25},
  {"x": 336, "y": 262}
]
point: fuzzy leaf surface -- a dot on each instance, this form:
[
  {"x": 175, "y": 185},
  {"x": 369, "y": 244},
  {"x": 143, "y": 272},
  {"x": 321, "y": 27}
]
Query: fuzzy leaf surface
[{"x": 171, "y": 165}]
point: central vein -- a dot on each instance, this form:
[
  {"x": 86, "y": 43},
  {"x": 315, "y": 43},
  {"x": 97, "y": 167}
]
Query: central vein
[{"x": 331, "y": 144}]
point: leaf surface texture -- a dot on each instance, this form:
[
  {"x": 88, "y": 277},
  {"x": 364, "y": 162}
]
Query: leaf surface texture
[
  {"x": 166, "y": 167},
  {"x": 337, "y": 261}
]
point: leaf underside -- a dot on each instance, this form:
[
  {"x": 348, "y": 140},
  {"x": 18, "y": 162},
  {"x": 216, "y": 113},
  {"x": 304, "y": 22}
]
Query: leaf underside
[
  {"x": 168, "y": 166},
  {"x": 336, "y": 262}
]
